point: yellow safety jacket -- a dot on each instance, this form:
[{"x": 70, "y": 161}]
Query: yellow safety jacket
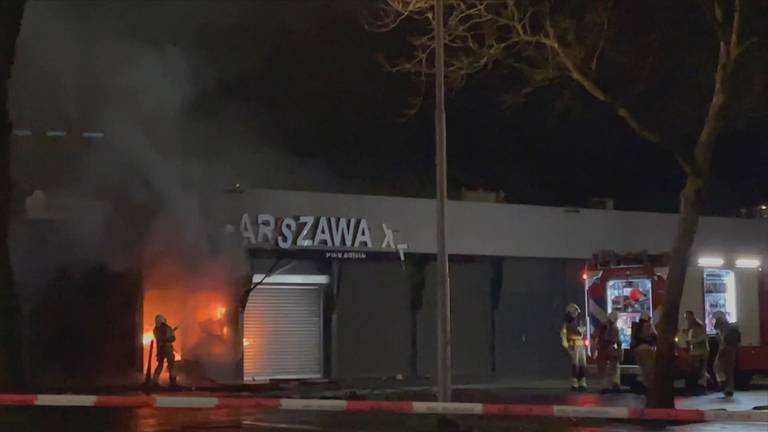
[
  {"x": 697, "y": 338},
  {"x": 572, "y": 335}
]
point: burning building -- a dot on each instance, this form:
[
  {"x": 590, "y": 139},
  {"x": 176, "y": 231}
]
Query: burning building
[{"x": 299, "y": 285}]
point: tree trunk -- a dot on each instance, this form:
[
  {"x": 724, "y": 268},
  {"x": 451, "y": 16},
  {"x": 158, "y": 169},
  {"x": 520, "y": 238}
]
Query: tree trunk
[
  {"x": 11, "y": 369},
  {"x": 661, "y": 393}
]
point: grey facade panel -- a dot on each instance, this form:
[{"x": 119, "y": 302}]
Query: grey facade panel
[
  {"x": 372, "y": 320},
  {"x": 471, "y": 320},
  {"x": 510, "y": 230},
  {"x": 534, "y": 294}
]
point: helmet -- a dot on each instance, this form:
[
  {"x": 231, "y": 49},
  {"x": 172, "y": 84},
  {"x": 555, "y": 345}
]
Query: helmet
[
  {"x": 719, "y": 316},
  {"x": 613, "y": 316},
  {"x": 159, "y": 320},
  {"x": 572, "y": 309}
]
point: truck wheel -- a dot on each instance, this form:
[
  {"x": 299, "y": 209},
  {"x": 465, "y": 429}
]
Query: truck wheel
[{"x": 631, "y": 381}]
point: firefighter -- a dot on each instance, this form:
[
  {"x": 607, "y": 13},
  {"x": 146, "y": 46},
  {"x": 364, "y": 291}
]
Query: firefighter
[
  {"x": 698, "y": 353},
  {"x": 644, "y": 346},
  {"x": 164, "y": 338},
  {"x": 729, "y": 338},
  {"x": 572, "y": 338},
  {"x": 609, "y": 353}
]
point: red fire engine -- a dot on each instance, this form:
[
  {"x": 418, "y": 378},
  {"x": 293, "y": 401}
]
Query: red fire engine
[{"x": 635, "y": 283}]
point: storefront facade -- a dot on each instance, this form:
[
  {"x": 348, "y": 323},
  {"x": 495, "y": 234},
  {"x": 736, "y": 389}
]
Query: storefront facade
[{"x": 343, "y": 286}]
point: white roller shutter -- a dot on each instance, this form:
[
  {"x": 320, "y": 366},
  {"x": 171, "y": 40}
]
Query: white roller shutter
[{"x": 282, "y": 331}]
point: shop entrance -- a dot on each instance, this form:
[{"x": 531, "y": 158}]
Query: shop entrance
[{"x": 282, "y": 332}]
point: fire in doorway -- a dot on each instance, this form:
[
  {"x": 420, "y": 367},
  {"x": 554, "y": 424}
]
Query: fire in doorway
[{"x": 199, "y": 302}]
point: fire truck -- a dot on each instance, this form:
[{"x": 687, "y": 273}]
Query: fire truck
[{"x": 631, "y": 284}]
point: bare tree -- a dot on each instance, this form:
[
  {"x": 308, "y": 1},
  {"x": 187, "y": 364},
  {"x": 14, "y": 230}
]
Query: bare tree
[
  {"x": 550, "y": 42},
  {"x": 11, "y": 371}
]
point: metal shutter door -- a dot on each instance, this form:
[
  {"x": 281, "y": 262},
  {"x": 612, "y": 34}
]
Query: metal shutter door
[{"x": 283, "y": 329}]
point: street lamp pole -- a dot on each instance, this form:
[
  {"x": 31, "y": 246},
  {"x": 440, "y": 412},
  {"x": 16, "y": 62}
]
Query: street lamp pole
[{"x": 443, "y": 280}]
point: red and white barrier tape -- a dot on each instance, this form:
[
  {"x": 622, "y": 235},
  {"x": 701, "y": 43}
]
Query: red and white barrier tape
[{"x": 404, "y": 407}]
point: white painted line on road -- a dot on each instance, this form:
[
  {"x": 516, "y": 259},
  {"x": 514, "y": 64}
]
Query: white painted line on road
[
  {"x": 313, "y": 404},
  {"x": 185, "y": 402},
  {"x": 56, "y": 133},
  {"x": 593, "y": 412},
  {"x": 65, "y": 400},
  {"x": 22, "y": 132},
  {"x": 741, "y": 416},
  {"x": 92, "y": 134},
  {"x": 281, "y": 425},
  {"x": 447, "y": 408}
]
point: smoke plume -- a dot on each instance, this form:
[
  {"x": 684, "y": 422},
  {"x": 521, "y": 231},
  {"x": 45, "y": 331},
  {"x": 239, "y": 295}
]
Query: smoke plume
[{"x": 137, "y": 197}]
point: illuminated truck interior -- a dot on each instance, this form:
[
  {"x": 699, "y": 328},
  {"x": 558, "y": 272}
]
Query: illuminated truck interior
[
  {"x": 719, "y": 295},
  {"x": 628, "y": 298}
]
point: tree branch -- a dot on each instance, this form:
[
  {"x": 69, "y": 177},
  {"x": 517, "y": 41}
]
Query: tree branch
[
  {"x": 621, "y": 110},
  {"x": 735, "y": 29},
  {"x": 743, "y": 47},
  {"x": 600, "y": 94},
  {"x": 714, "y": 15},
  {"x": 600, "y": 46}
]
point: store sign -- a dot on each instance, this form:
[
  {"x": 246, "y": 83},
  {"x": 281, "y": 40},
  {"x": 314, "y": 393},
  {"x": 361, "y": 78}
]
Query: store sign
[{"x": 323, "y": 232}]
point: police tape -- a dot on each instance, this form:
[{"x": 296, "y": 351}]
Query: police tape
[{"x": 398, "y": 407}]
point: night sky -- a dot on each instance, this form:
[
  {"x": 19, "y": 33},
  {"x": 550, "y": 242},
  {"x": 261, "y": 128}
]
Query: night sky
[{"x": 297, "y": 86}]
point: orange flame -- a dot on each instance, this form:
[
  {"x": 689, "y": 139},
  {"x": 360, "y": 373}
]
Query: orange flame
[
  {"x": 147, "y": 337},
  {"x": 195, "y": 298}
]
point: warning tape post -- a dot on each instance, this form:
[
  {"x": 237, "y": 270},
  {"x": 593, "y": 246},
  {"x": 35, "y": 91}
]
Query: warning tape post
[{"x": 396, "y": 407}]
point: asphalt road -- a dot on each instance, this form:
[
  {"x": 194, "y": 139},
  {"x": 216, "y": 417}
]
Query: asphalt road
[{"x": 150, "y": 420}]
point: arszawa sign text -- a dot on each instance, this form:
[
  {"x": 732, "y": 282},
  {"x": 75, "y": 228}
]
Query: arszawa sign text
[{"x": 347, "y": 237}]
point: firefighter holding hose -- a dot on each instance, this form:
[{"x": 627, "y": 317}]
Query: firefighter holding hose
[{"x": 165, "y": 336}]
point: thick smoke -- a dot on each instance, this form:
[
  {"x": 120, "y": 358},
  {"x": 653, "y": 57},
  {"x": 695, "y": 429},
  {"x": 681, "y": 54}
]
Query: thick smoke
[
  {"x": 107, "y": 67},
  {"x": 136, "y": 198}
]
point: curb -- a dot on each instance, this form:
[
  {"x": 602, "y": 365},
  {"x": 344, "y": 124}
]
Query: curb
[{"x": 399, "y": 407}]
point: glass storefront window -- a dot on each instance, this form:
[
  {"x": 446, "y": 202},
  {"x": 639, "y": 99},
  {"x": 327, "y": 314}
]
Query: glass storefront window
[{"x": 719, "y": 295}]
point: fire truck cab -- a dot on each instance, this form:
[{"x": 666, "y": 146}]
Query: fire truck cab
[{"x": 635, "y": 283}]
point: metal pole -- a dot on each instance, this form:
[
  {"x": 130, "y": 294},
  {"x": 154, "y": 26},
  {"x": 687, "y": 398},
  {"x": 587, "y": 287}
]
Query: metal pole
[{"x": 443, "y": 281}]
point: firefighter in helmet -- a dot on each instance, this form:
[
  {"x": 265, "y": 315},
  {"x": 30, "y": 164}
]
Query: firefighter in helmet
[
  {"x": 729, "y": 338},
  {"x": 165, "y": 336},
  {"x": 572, "y": 338},
  {"x": 609, "y": 352},
  {"x": 644, "y": 347},
  {"x": 698, "y": 353}
]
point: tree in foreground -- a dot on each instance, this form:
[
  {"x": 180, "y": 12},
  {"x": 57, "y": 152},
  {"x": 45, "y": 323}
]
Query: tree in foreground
[
  {"x": 11, "y": 370},
  {"x": 622, "y": 54}
]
